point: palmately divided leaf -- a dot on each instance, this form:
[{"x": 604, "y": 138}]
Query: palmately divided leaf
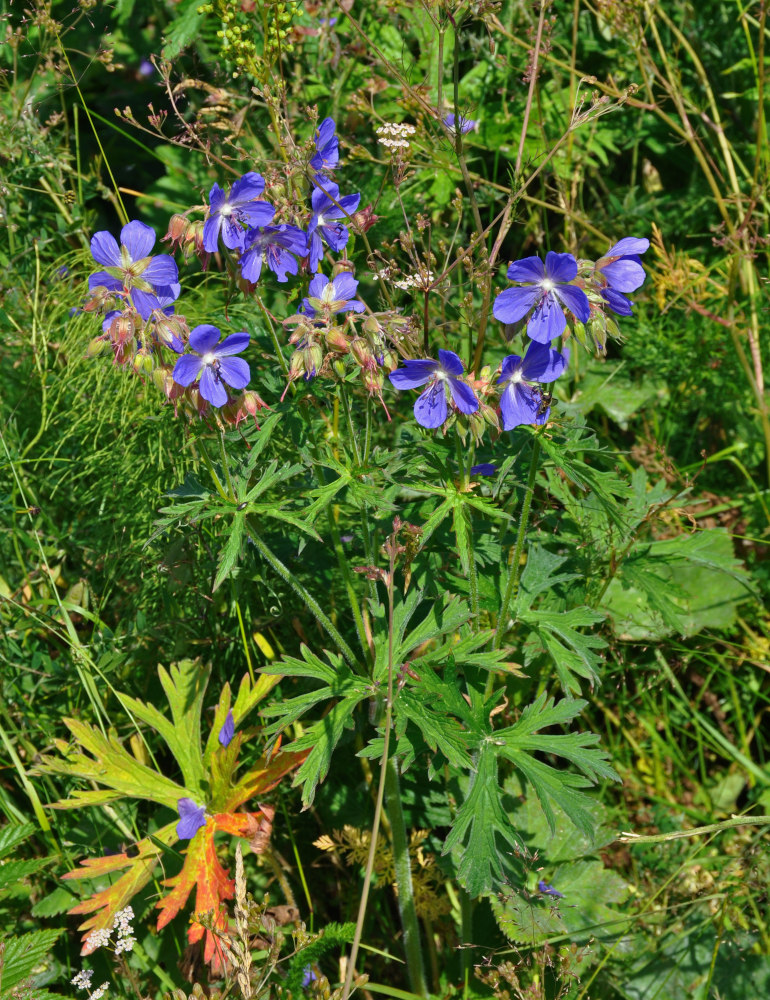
[{"x": 480, "y": 819}]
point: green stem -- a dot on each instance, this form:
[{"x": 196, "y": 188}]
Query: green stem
[
  {"x": 511, "y": 587},
  {"x": 307, "y": 599},
  {"x": 403, "y": 870},
  {"x": 465, "y": 547},
  {"x": 215, "y": 478},
  {"x": 697, "y": 831},
  {"x": 381, "y": 787}
]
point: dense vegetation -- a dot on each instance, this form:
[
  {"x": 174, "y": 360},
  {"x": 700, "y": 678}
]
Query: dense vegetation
[{"x": 313, "y": 683}]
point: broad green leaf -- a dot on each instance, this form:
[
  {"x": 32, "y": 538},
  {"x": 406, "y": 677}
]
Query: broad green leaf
[{"x": 22, "y": 955}]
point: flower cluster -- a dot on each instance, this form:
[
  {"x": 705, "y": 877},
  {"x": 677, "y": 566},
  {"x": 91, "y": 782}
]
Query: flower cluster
[
  {"x": 82, "y": 981},
  {"x": 257, "y": 228},
  {"x": 137, "y": 291},
  {"x": 393, "y": 135},
  {"x": 547, "y": 293}
]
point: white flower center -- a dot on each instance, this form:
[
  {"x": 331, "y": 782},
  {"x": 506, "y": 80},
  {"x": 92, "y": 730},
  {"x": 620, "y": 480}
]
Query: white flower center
[
  {"x": 327, "y": 295},
  {"x": 209, "y": 359},
  {"x": 547, "y": 285},
  {"x": 226, "y": 210},
  {"x": 321, "y": 221},
  {"x": 516, "y": 377}
]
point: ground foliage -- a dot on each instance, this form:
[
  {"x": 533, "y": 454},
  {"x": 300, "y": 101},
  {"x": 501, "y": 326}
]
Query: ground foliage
[{"x": 492, "y": 673}]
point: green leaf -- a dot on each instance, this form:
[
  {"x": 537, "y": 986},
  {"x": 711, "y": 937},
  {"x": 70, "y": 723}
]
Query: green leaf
[
  {"x": 184, "y": 29},
  {"x": 479, "y": 820},
  {"x": 185, "y": 687},
  {"x": 13, "y": 834},
  {"x": 228, "y": 554},
  {"x": 22, "y": 955}
]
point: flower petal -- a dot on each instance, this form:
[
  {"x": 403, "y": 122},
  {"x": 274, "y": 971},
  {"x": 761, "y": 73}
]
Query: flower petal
[
  {"x": 144, "y": 302},
  {"x": 518, "y": 405},
  {"x": 257, "y": 213},
  {"x": 217, "y": 198},
  {"x": 233, "y": 234},
  {"x": 204, "y": 338},
  {"x": 527, "y": 269},
  {"x": 211, "y": 387},
  {"x": 483, "y": 469},
  {"x": 138, "y": 239},
  {"x": 246, "y": 188},
  {"x": 430, "y": 410},
  {"x": 450, "y": 362},
  {"x": 513, "y": 304},
  {"x": 187, "y": 369},
  {"x": 105, "y": 249},
  {"x": 251, "y": 264},
  {"x": 161, "y": 270},
  {"x": 575, "y": 300},
  {"x": 233, "y": 344},
  {"x": 227, "y": 731},
  {"x": 547, "y": 320},
  {"x": 617, "y": 302},
  {"x": 235, "y": 371},
  {"x": 103, "y": 280},
  {"x": 317, "y": 285},
  {"x": 628, "y": 245},
  {"x": 413, "y": 374},
  {"x": 541, "y": 364},
  {"x": 463, "y": 396},
  {"x": 345, "y": 286},
  {"x": 560, "y": 267},
  {"x": 191, "y": 819},
  {"x": 508, "y": 367},
  {"x": 211, "y": 228},
  {"x": 624, "y": 275}
]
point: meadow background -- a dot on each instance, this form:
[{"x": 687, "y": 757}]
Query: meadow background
[{"x": 644, "y": 119}]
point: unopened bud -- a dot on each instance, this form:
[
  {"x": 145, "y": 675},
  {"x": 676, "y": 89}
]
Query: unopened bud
[
  {"x": 343, "y": 267},
  {"x": 338, "y": 367},
  {"x": 313, "y": 356},
  {"x": 364, "y": 219},
  {"x": 177, "y": 230},
  {"x": 142, "y": 362},
  {"x": 362, "y": 352},
  {"x": 337, "y": 341},
  {"x": 373, "y": 379},
  {"x": 97, "y": 346},
  {"x": 372, "y": 326}
]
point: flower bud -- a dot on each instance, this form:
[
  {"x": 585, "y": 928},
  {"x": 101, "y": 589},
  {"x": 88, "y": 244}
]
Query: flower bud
[
  {"x": 342, "y": 267},
  {"x": 313, "y": 357},
  {"x": 97, "y": 346},
  {"x": 338, "y": 367},
  {"x": 372, "y": 326},
  {"x": 142, "y": 362},
  {"x": 362, "y": 352},
  {"x": 177, "y": 230},
  {"x": 373, "y": 380},
  {"x": 364, "y": 219},
  {"x": 337, "y": 341}
]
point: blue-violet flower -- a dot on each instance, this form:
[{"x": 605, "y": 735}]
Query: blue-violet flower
[
  {"x": 327, "y": 145},
  {"x": 191, "y": 819},
  {"x": 227, "y": 731},
  {"x": 520, "y": 403},
  {"x": 548, "y": 890},
  {"x": 213, "y": 364},
  {"x": 131, "y": 270},
  {"x": 464, "y": 125},
  {"x": 230, "y": 213},
  {"x": 328, "y": 207},
  {"x": 274, "y": 246},
  {"x": 548, "y": 290},
  {"x": 332, "y": 296},
  {"x": 620, "y": 271},
  {"x": 430, "y": 410}
]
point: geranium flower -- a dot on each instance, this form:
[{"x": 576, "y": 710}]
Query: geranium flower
[
  {"x": 520, "y": 402},
  {"x": 430, "y": 410},
  {"x": 131, "y": 270},
  {"x": 548, "y": 290},
  {"x": 324, "y": 227},
  {"x": 327, "y": 145},
  {"x": 227, "y": 731},
  {"x": 191, "y": 819},
  {"x": 231, "y": 213},
  {"x": 334, "y": 296},
  {"x": 212, "y": 363},
  {"x": 274, "y": 246},
  {"x": 620, "y": 271},
  {"x": 464, "y": 124}
]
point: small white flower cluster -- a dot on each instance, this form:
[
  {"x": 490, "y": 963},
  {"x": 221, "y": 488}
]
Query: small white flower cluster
[
  {"x": 422, "y": 280},
  {"x": 82, "y": 981},
  {"x": 125, "y": 940},
  {"x": 393, "y": 135},
  {"x": 98, "y": 939}
]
